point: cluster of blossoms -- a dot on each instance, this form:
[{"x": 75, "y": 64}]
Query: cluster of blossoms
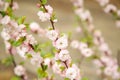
[
  {"x": 17, "y": 40},
  {"x": 109, "y": 64},
  {"x": 46, "y": 13},
  {"x": 82, "y": 47},
  {"x": 110, "y": 8},
  {"x": 63, "y": 64},
  {"x": 8, "y": 33},
  {"x": 98, "y": 40},
  {"x": 62, "y": 60}
]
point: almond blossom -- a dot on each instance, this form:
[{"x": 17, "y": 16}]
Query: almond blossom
[
  {"x": 19, "y": 70},
  {"x": 52, "y": 34},
  {"x": 5, "y": 20}
]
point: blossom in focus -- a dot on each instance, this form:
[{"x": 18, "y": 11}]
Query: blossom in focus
[
  {"x": 64, "y": 55},
  {"x": 52, "y": 34},
  {"x": 62, "y": 42},
  {"x": 71, "y": 73},
  {"x": 43, "y": 16},
  {"x": 19, "y": 70},
  {"x": 36, "y": 59}
]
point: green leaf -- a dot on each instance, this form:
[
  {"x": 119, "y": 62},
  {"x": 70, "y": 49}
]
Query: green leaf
[
  {"x": 28, "y": 55},
  {"x": 27, "y": 27},
  {"x": 9, "y": 11},
  {"x": 15, "y": 78},
  {"x": 22, "y": 63},
  {"x": 37, "y": 47},
  {"x": 18, "y": 42},
  {"x": 44, "y": 67},
  {"x": 66, "y": 79},
  {"x": 44, "y": 2},
  {"x": 21, "y": 20},
  {"x": 42, "y": 9},
  {"x": 62, "y": 68},
  {"x": 53, "y": 17},
  {"x": 84, "y": 78},
  {"x": 3, "y": 13},
  {"x": 7, "y": 0},
  {"x": 7, "y": 61},
  {"x": 41, "y": 73}
]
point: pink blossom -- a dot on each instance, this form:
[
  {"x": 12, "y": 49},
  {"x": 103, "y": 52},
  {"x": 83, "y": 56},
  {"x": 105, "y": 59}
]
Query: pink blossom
[
  {"x": 19, "y": 70},
  {"x": 98, "y": 63},
  {"x": 75, "y": 44},
  {"x": 34, "y": 26},
  {"x": 5, "y": 20},
  {"x": 36, "y": 59},
  {"x": 64, "y": 55},
  {"x": 43, "y": 16},
  {"x": 71, "y": 73},
  {"x": 62, "y": 42},
  {"x": 85, "y": 15},
  {"x": 82, "y": 46},
  {"x": 52, "y": 34},
  {"x": 21, "y": 50},
  {"x": 110, "y": 8},
  {"x": 5, "y": 34},
  {"x": 30, "y": 39},
  {"x": 104, "y": 47},
  {"x": 87, "y": 52},
  {"x": 15, "y": 6},
  {"x": 49, "y": 9},
  {"x": 56, "y": 68}
]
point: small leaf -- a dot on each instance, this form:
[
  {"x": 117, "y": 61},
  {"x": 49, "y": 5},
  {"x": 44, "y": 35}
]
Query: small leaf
[
  {"x": 41, "y": 73},
  {"x": 22, "y": 63},
  {"x": 62, "y": 68},
  {"x": 44, "y": 2},
  {"x": 66, "y": 79},
  {"x": 2, "y": 13},
  {"x": 18, "y": 42},
  {"x": 7, "y": 61},
  {"x": 37, "y": 47},
  {"x": 84, "y": 78},
  {"x": 7, "y": 0},
  {"x": 44, "y": 67},
  {"x": 15, "y": 78},
  {"x": 28, "y": 55},
  {"x": 21, "y": 20}
]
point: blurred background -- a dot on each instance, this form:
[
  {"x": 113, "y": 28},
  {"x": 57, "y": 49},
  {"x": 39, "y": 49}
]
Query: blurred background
[{"x": 66, "y": 23}]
